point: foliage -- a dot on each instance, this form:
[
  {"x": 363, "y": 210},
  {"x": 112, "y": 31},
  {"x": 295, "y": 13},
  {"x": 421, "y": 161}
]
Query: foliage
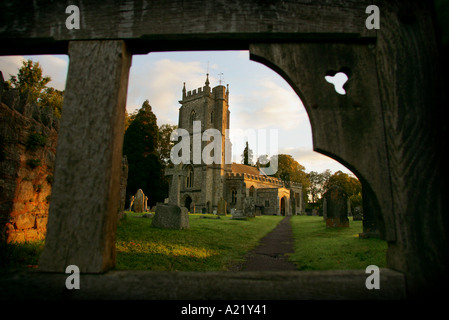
[
  {"x": 165, "y": 144},
  {"x": 321, "y": 248},
  {"x": 33, "y": 163},
  {"x": 35, "y": 141},
  {"x": 52, "y": 98},
  {"x": 140, "y": 145},
  {"x": 30, "y": 80}
]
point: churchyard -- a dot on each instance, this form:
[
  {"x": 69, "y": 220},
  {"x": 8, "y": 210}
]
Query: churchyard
[{"x": 218, "y": 244}]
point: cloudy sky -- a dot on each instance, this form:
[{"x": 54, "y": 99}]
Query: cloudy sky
[{"x": 259, "y": 97}]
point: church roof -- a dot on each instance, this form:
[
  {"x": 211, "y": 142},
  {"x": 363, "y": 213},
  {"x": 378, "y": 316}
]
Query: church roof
[{"x": 242, "y": 168}]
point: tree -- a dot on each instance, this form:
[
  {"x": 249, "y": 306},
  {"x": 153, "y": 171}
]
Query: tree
[
  {"x": 30, "y": 80},
  {"x": 247, "y": 155},
  {"x": 140, "y": 145},
  {"x": 165, "y": 144},
  {"x": 318, "y": 184},
  {"x": 291, "y": 170}
]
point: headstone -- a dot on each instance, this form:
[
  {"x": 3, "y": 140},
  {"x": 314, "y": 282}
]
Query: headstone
[
  {"x": 139, "y": 201},
  {"x": 237, "y": 214},
  {"x": 222, "y": 207},
  {"x": 358, "y": 214},
  {"x": 175, "y": 187},
  {"x": 249, "y": 207},
  {"x": 337, "y": 210},
  {"x": 171, "y": 217}
]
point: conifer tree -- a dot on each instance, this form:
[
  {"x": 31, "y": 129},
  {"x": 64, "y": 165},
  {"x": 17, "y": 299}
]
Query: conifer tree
[{"x": 140, "y": 145}]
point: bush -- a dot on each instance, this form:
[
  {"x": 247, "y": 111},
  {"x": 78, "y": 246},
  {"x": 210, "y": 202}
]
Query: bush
[
  {"x": 33, "y": 163},
  {"x": 35, "y": 141}
]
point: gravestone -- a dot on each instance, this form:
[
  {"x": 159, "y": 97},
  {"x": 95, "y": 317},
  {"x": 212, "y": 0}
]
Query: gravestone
[
  {"x": 222, "y": 207},
  {"x": 139, "y": 201},
  {"x": 175, "y": 187},
  {"x": 170, "y": 216},
  {"x": 336, "y": 208},
  {"x": 237, "y": 214},
  {"x": 358, "y": 214},
  {"x": 249, "y": 207}
]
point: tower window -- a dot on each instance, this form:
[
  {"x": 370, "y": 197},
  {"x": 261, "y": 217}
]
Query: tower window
[
  {"x": 189, "y": 180},
  {"x": 192, "y": 117},
  {"x": 211, "y": 117}
]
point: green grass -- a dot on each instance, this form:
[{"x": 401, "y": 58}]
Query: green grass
[
  {"x": 321, "y": 248},
  {"x": 209, "y": 244},
  {"x": 217, "y": 244},
  {"x": 21, "y": 255}
]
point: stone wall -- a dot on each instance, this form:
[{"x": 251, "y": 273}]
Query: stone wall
[{"x": 28, "y": 138}]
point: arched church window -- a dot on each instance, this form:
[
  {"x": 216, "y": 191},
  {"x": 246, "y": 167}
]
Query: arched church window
[
  {"x": 192, "y": 117},
  {"x": 189, "y": 180},
  {"x": 211, "y": 117}
]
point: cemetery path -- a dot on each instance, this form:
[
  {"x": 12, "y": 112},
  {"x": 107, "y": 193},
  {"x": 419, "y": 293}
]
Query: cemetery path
[{"x": 270, "y": 254}]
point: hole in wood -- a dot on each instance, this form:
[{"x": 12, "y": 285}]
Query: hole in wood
[{"x": 338, "y": 79}]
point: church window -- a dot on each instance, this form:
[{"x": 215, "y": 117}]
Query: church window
[
  {"x": 251, "y": 191},
  {"x": 233, "y": 196},
  {"x": 192, "y": 117},
  {"x": 267, "y": 203},
  {"x": 211, "y": 117},
  {"x": 189, "y": 181}
]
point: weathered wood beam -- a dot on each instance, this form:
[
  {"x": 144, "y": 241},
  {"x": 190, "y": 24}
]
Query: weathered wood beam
[
  {"x": 40, "y": 26},
  {"x": 83, "y": 211}
]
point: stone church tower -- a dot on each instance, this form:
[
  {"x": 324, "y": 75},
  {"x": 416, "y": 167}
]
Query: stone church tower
[{"x": 201, "y": 109}]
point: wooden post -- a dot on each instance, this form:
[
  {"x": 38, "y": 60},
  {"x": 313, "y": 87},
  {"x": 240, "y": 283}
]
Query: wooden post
[{"x": 83, "y": 210}]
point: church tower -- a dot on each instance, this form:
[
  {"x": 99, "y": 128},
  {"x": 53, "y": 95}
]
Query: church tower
[{"x": 202, "y": 109}]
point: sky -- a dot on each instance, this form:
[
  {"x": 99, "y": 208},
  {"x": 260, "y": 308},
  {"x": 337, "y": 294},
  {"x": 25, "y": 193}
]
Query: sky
[{"x": 259, "y": 98}]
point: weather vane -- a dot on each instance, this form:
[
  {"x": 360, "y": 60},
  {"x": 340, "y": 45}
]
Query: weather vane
[{"x": 220, "y": 75}]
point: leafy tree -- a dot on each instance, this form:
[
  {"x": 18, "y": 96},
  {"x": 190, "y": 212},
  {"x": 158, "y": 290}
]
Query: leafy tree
[
  {"x": 165, "y": 144},
  {"x": 291, "y": 170},
  {"x": 30, "y": 80},
  {"x": 140, "y": 145},
  {"x": 318, "y": 184}
]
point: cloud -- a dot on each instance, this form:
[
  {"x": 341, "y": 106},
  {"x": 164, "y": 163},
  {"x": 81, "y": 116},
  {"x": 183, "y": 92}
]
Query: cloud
[
  {"x": 314, "y": 161},
  {"x": 161, "y": 81},
  {"x": 269, "y": 104}
]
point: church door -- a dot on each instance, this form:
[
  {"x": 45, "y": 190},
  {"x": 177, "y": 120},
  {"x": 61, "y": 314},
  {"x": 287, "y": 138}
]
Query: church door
[
  {"x": 188, "y": 202},
  {"x": 283, "y": 206}
]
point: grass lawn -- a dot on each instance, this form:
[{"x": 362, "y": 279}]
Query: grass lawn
[
  {"x": 216, "y": 244},
  {"x": 321, "y": 248},
  {"x": 209, "y": 245}
]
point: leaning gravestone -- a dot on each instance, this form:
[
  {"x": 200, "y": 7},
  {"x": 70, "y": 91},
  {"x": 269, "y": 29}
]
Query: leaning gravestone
[
  {"x": 169, "y": 216},
  {"x": 139, "y": 201},
  {"x": 336, "y": 208}
]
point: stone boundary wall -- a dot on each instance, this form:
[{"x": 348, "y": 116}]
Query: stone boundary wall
[{"x": 28, "y": 138}]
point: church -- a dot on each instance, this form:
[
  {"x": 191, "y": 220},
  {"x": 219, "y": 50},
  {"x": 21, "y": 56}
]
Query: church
[{"x": 203, "y": 185}]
